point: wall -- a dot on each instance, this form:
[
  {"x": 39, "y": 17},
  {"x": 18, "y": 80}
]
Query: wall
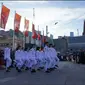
[
  {"x": 61, "y": 44},
  {"x": 76, "y": 42}
]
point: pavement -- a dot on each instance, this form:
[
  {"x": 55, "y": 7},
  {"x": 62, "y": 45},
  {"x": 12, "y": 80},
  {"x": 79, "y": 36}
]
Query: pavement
[{"x": 68, "y": 73}]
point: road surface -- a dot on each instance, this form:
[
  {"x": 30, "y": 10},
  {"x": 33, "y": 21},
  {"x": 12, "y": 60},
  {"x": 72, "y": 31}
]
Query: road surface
[{"x": 67, "y": 74}]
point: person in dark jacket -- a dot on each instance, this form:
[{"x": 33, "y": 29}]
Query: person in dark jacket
[{"x": 82, "y": 57}]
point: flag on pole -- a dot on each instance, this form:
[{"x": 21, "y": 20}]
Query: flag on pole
[
  {"x": 17, "y": 22},
  {"x": 26, "y": 27},
  {"x": 34, "y": 35},
  {"x": 4, "y": 16}
]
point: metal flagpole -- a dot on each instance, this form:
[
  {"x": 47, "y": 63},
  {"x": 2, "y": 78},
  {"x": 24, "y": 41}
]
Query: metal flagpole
[
  {"x": 46, "y": 33},
  {"x": 14, "y": 33},
  {"x": 23, "y": 40},
  {"x": 0, "y": 16},
  {"x": 34, "y": 20},
  {"x": 43, "y": 37},
  {"x": 24, "y": 34},
  {"x": 38, "y": 33}
]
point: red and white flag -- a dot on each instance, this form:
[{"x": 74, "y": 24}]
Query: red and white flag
[
  {"x": 17, "y": 22},
  {"x": 4, "y": 16},
  {"x": 26, "y": 27},
  {"x": 34, "y": 35}
]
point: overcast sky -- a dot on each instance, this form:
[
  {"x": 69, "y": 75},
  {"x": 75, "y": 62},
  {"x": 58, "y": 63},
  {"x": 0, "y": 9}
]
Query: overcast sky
[{"x": 70, "y": 15}]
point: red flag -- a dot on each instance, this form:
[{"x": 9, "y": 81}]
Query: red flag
[
  {"x": 34, "y": 35},
  {"x": 17, "y": 22},
  {"x": 26, "y": 27},
  {"x": 4, "y": 16}
]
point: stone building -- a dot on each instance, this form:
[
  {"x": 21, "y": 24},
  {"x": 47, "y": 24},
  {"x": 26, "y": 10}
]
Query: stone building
[{"x": 6, "y": 38}]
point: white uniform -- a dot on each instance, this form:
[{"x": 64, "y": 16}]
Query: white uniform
[
  {"x": 32, "y": 57},
  {"x": 7, "y": 57},
  {"x": 42, "y": 58},
  {"x": 56, "y": 59},
  {"x": 26, "y": 59},
  {"x": 38, "y": 59},
  {"x": 47, "y": 57},
  {"x": 18, "y": 59},
  {"x": 22, "y": 54}
]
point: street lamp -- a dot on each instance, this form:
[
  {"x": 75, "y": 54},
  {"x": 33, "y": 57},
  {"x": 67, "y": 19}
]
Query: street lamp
[{"x": 56, "y": 23}]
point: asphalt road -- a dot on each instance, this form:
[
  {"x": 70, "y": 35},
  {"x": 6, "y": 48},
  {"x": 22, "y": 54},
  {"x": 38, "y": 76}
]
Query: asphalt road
[{"x": 67, "y": 74}]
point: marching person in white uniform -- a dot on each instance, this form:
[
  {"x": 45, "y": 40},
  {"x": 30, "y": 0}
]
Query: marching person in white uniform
[
  {"x": 18, "y": 59},
  {"x": 26, "y": 59},
  {"x": 7, "y": 58},
  {"x": 37, "y": 58},
  {"x": 42, "y": 58},
  {"x": 55, "y": 59},
  {"x": 47, "y": 58},
  {"x": 33, "y": 62}
]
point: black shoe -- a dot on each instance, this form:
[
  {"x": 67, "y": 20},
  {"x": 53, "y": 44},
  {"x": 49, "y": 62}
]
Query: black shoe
[
  {"x": 16, "y": 68},
  {"x": 56, "y": 65},
  {"x": 41, "y": 67},
  {"x": 47, "y": 71},
  {"x": 19, "y": 70},
  {"x": 38, "y": 69},
  {"x": 51, "y": 69},
  {"x": 26, "y": 68},
  {"x": 33, "y": 71},
  {"x": 7, "y": 70}
]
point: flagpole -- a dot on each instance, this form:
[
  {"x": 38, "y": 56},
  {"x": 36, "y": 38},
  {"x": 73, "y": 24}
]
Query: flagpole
[
  {"x": 34, "y": 19},
  {"x": 39, "y": 33},
  {"x": 43, "y": 37},
  {"x": 14, "y": 32},
  {"x": 0, "y": 15},
  {"x": 24, "y": 34}
]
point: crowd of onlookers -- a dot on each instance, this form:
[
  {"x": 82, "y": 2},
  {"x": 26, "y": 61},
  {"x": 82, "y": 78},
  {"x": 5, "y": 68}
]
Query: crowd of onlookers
[{"x": 73, "y": 56}]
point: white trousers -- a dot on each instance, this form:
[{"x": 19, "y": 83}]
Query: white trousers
[
  {"x": 47, "y": 64},
  {"x": 19, "y": 63},
  {"x": 8, "y": 63}
]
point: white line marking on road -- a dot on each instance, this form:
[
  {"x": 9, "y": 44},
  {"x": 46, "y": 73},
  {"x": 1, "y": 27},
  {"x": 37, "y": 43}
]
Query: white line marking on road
[{"x": 7, "y": 79}]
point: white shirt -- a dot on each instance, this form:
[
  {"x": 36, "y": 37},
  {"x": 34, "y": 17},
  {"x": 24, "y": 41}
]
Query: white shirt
[{"x": 7, "y": 53}]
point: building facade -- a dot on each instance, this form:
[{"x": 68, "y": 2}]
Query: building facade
[
  {"x": 71, "y": 34},
  {"x": 61, "y": 44},
  {"x": 76, "y": 43}
]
